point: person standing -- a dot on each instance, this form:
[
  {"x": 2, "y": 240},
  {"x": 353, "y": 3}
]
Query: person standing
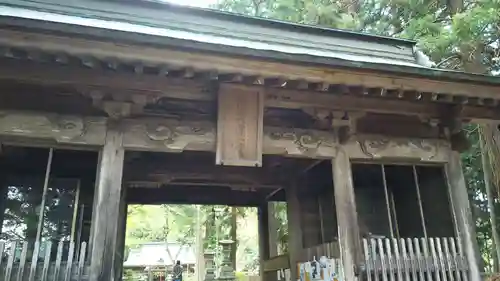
[{"x": 177, "y": 271}]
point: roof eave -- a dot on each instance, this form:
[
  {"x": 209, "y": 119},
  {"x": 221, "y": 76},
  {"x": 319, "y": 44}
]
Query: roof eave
[
  {"x": 215, "y": 14},
  {"x": 142, "y": 39}
]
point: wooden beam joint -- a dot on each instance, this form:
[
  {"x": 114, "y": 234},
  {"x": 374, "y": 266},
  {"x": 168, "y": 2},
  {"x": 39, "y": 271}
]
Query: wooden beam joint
[
  {"x": 343, "y": 123},
  {"x": 451, "y": 127}
]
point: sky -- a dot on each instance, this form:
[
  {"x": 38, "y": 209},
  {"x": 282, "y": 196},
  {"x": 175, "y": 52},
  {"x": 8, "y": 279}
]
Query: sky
[{"x": 195, "y": 3}]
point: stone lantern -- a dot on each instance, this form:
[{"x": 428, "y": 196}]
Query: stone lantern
[
  {"x": 209, "y": 265},
  {"x": 226, "y": 271}
]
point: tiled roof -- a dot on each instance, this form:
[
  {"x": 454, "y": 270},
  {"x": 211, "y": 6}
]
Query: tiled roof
[
  {"x": 156, "y": 254},
  {"x": 212, "y": 27}
]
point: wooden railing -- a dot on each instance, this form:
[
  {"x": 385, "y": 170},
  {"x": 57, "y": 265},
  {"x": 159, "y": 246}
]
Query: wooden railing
[
  {"x": 21, "y": 261},
  {"x": 432, "y": 259}
]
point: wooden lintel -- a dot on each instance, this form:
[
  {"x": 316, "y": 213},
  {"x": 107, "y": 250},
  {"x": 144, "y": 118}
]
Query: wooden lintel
[
  {"x": 169, "y": 135},
  {"x": 224, "y": 64},
  {"x": 194, "y": 195},
  {"x": 61, "y": 129},
  {"x": 90, "y": 80},
  {"x": 180, "y": 170},
  {"x": 403, "y": 149}
]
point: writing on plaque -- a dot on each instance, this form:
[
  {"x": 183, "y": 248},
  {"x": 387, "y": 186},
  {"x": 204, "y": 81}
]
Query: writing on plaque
[{"x": 239, "y": 126}]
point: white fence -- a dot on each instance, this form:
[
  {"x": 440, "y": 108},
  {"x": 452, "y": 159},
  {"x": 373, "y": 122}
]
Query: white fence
[
  {"x": 42, "y": 261},
  {"x": 417, "y": 259}
]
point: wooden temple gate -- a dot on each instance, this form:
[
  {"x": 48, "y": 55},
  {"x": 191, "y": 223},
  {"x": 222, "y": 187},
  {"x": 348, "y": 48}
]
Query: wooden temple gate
[{"x": 186, "y": 111}]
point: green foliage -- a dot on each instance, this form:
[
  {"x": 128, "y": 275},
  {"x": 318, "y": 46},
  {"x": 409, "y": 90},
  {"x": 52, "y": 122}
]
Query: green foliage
[{"x": 282, "y": 221}]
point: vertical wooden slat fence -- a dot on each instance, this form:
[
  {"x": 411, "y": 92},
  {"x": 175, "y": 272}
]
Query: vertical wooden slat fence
[
  {"x": 24, "y": 261},
  {"x": 424, "y": 259}
]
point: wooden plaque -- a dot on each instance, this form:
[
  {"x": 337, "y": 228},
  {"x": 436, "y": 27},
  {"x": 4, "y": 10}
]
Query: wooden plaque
[{"x": 239, "y": 126}]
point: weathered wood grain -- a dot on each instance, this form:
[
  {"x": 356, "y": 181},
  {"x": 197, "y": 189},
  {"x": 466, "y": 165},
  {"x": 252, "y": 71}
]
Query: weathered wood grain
[
  {"x": 240, "y": 125},
  {"x": 153, "y": 87},
  {"x": 60, "y": 129},
  {"x": 347, "y": 218},
  {"x": 169, "y": 135},
  {"x": 224, "y": 64},
  {"x": 295, "y": 245},
  {"x": 264, "y": 245},
  {"x": 462, "y": 214},
  {"x": 107, "y": 207}
]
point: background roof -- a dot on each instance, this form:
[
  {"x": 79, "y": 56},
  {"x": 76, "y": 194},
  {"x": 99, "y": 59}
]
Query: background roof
[
  {"x": 155, "y": 254},
  {"x": 216, "y": 28}
]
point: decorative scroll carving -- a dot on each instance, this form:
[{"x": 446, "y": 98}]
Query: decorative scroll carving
[
  {"x": 60, "y": 128},
  {"x": 176, "y": 136},
  {"x": 299, "y": 142},
  {"x": 421, "y": 149},
  {"x": 169, "y": 135}
]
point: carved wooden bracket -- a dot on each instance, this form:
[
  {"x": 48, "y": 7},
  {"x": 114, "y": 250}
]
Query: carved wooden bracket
[
  {"x": 343, "y": 123},
  {"x": 119, "y": 103}
]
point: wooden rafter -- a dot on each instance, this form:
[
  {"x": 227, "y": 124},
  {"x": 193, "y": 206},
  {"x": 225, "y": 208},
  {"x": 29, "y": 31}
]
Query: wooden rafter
[
  {"x": 134, "y": 88},
  {"x": 145, "y": 56}
]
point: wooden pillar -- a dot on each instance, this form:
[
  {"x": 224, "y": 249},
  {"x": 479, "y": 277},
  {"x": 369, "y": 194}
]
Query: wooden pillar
[
  {"x": 347, "y": 218},
  {"x": 3, "y": 191},
  {"x": 107, "y": 208},
  {"x": 295, "y": 246},
  {"x": 121, "y": 229},
  {"x": 264, "y": 249},
  {"x": 3, "y": 200},
  {"x": 273, "y": 230},
  {"x": 464, "y": 222}
]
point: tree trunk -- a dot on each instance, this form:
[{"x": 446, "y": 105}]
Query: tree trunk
[
  {"x": 495, "y": 251},
  {"x": 210, "y": 230},
  {"x": 233, "y": 234},
  {"x": 199, "y": 245}
]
